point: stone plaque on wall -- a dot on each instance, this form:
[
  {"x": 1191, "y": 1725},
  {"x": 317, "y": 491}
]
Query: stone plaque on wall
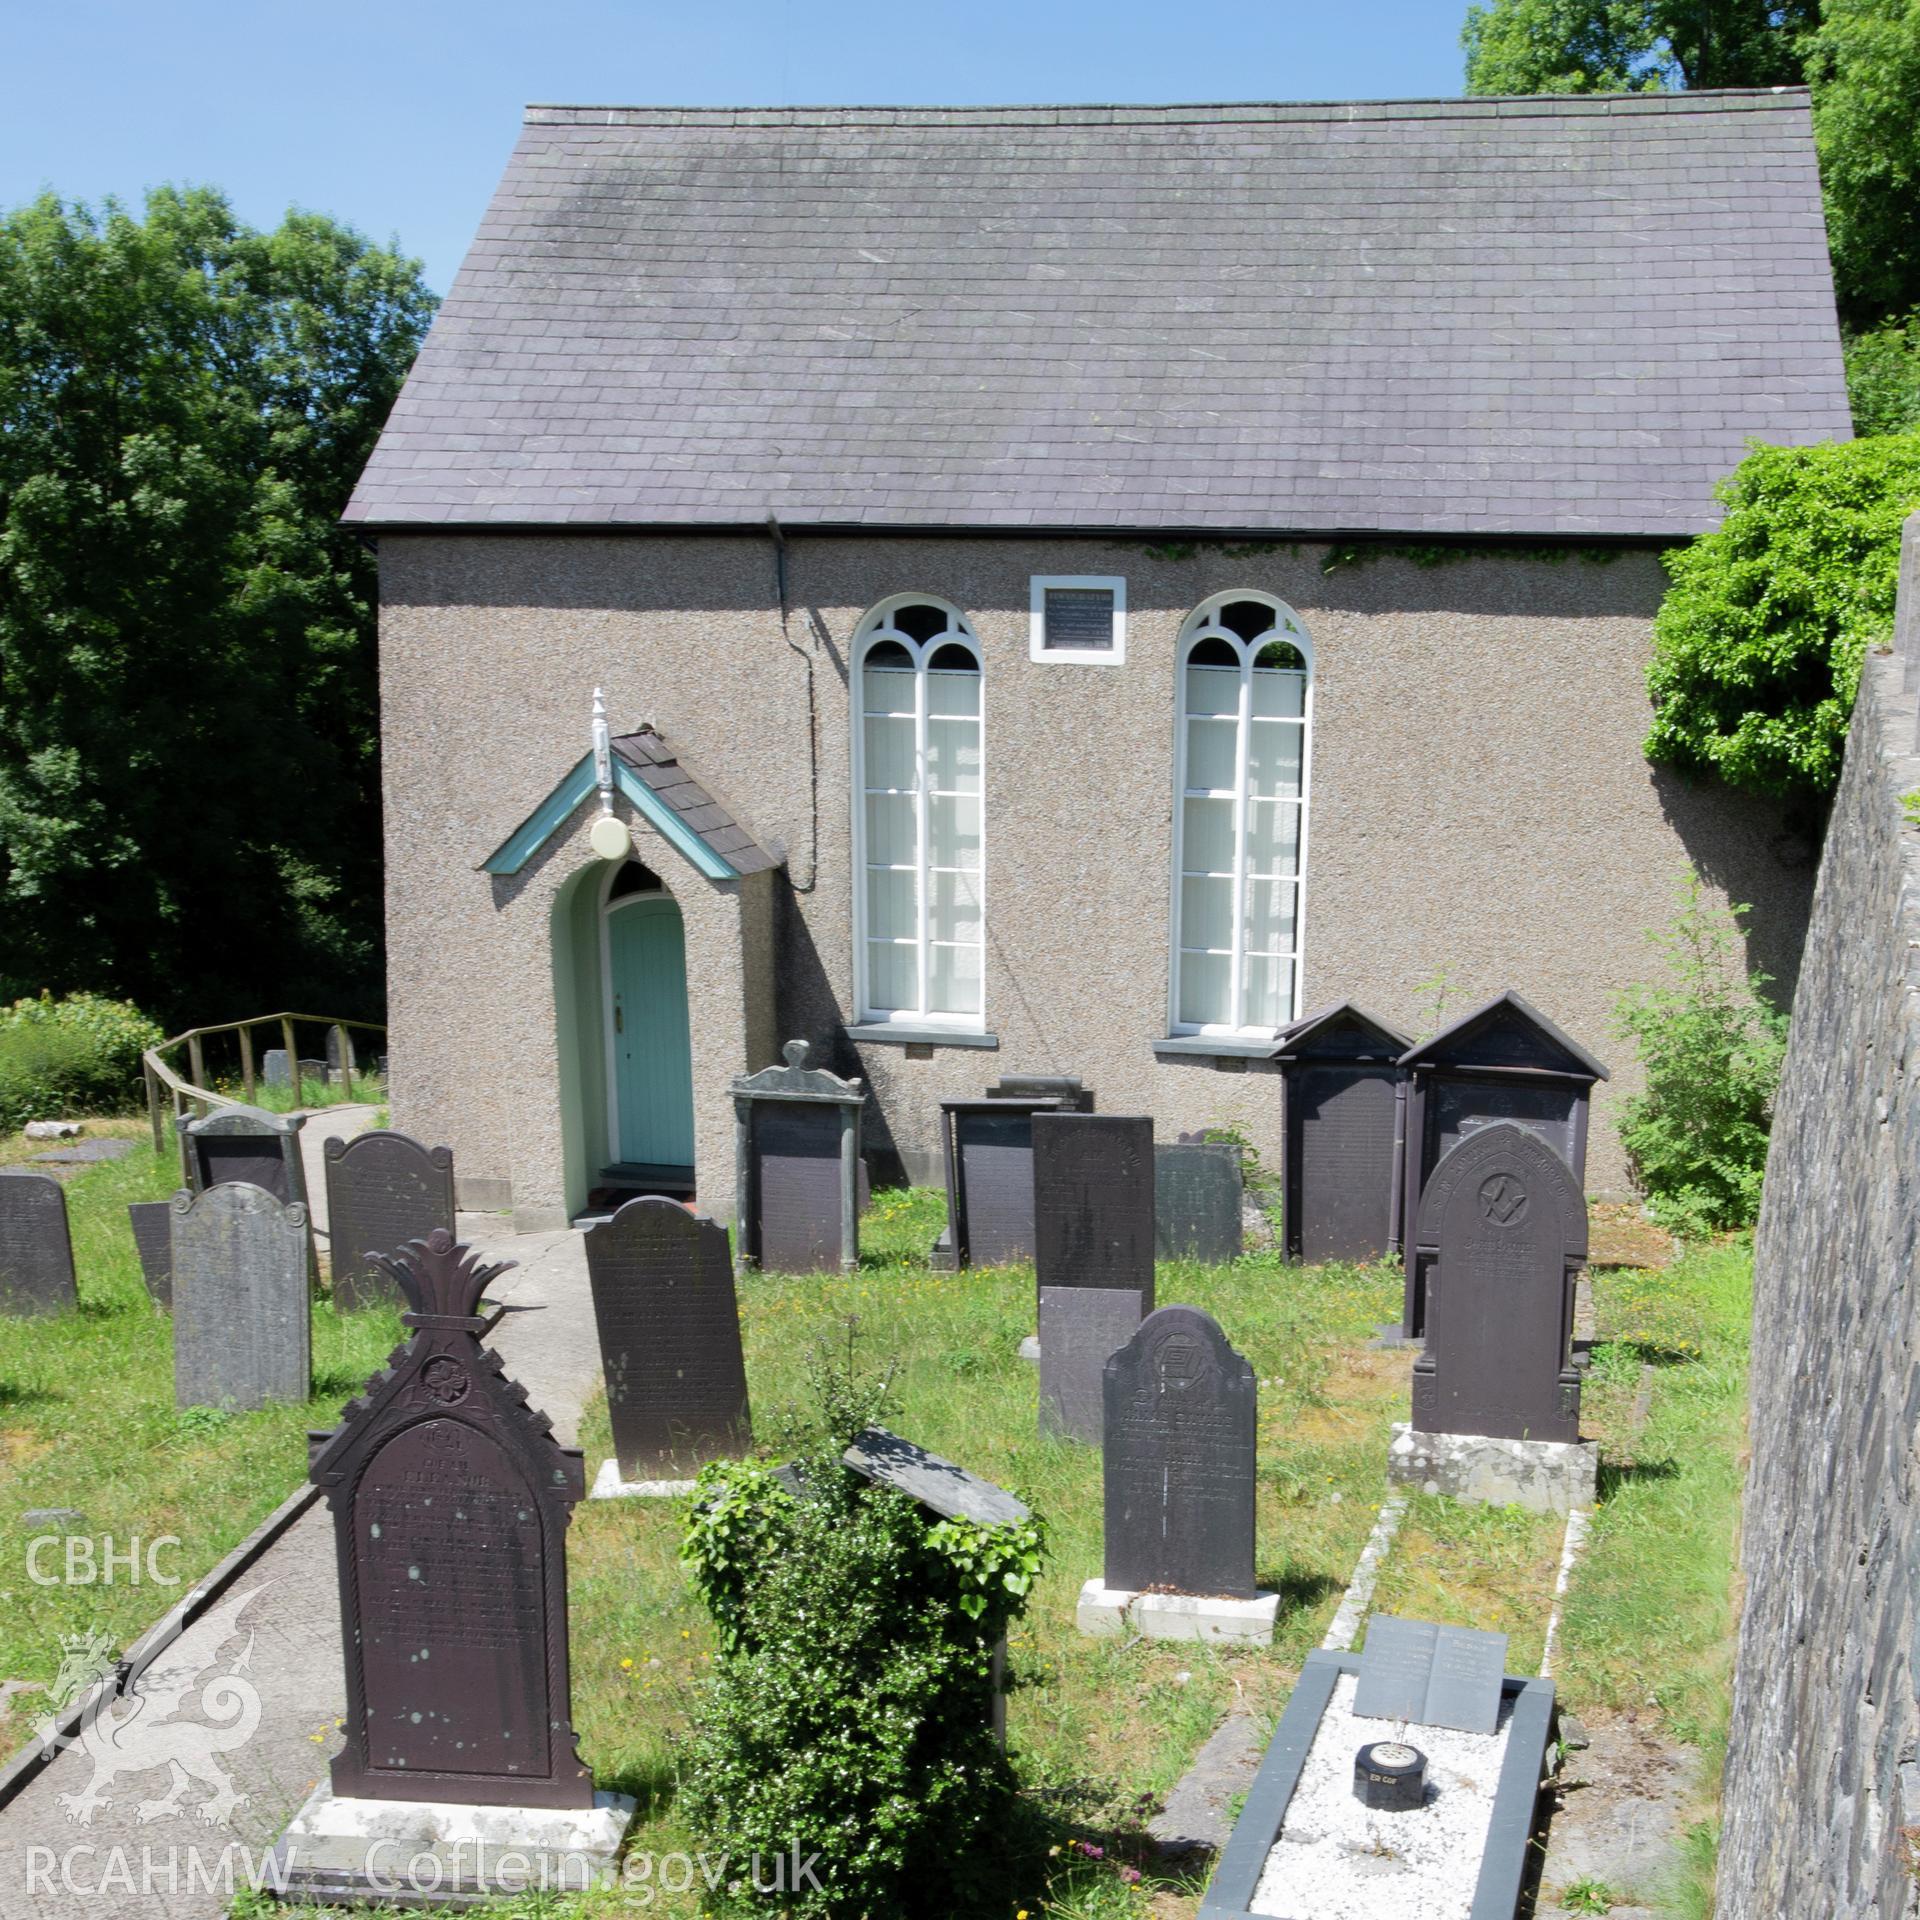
[
  {"x": 669, "y": 1327},
  {"x": 451, "y": 1501},
  {"x": 1505, "y": 1230},
  {"x": 1180, "y": 1416},
  {"x": 1093, "y": 1201},
  {"x": 384, "y": 1190},
  {"x": 1197, "y": 1199},
  {"x": 36, "y": 1253},
  {"x": 242, "y": 1335}
]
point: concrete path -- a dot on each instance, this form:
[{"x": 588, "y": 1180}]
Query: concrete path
[{"x": 176, "y": 1864}]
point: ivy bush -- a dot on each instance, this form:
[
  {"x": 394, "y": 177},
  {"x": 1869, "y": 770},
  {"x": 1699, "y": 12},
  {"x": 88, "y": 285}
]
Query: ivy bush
[
  {"x": 848, "y": 1722},
  {"x": 1759, "y": 641},
  {"x": 80, "y": 1054},
  {"x": 1711, "y": 1048}
]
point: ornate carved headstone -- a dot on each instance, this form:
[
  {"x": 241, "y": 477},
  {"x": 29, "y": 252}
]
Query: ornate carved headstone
[
  {"x": 242, "y": 1336},
  {"x": 36, "y": 1253},
  {"x": 383, "y": 1190},
  {"x": 797, "y": 1167},
  {"x": 1093, "y": 1201},
  {"x": 451, "y": 1500},
  {"x": 1081, "y": 1328},
  {"x": 669, "y": 1327},
  {"x": 1503, "y": 1229},
  {"x": 989, "y": 1161},
  {"x": 1197, "y": 1198},
  {"x": 1180, "y": 1408},
  {"x": 152, "y": 1222},
  {"x": 244, "y": 1143}
]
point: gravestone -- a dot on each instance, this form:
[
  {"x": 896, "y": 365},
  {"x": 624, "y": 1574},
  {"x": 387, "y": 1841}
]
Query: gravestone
[
  {"x": 669, "y": 1327},
  {"x": 241, "y": 1332},
  {"x": 84, "y": 1153},
  {"x": 797, "y": 1167},
  {"x": 383, "y": 1190},
  {"x": 1197, "y": 1199},
  {"x": 1063, "y": 1087},
  {"x": 1343, "y": 1091},
  {"x": 1504, "y": 1061},
  {"x": 152, "y": 1222},
  {"x": 36, "y": 1252},
  {"x": 246, "y": 1144},
  {"x": 1093, "y": 1201},
  {"x": 988, "y": 1149},
  {"x": 1180, "y": 1411},
  {"x": 1430, "y": 1675},
  {"x": 451, "y": 1501},
  {"x": 1081, "y": 1328},
  {"x": 1503, "y": 1229},
  {"x": 276, "y": 1067}
]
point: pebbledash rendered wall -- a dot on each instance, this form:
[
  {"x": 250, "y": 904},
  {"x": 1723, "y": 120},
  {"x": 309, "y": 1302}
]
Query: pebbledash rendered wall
[
  {"x": 1821, "y": 1774},
  {"x": 1479, "y": 804}
]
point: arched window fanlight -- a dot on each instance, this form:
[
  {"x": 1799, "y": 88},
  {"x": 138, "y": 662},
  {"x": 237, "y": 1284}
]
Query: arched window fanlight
[
  {"x": 918, "y": 833},
  {"x": 1240, "y": 836}
]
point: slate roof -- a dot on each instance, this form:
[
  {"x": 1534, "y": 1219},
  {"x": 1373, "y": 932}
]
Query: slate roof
[
  {"x": 1548, "y": 316},
  {"x": 648, "y": 753}
]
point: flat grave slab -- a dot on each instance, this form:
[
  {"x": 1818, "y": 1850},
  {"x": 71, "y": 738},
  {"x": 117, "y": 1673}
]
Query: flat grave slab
[{"x": 948, "y": 1489}]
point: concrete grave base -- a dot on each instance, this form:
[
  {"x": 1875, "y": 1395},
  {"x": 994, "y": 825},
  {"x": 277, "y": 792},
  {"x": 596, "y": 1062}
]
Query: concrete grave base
[
  {"x": 1547, "y": 1476},
  {"x": 1107, "y": 1612},
  {"x": 1030, "y": 1348},
  {"x": 607, "y": 1485},
  {"x": 429, "y": 1853}
]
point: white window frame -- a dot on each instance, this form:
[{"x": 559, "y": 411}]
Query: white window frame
[
  {"x": 1200, "y": 625},
  {"x": 876, "y": 625},
  {"x": 1037, "y": 648}
]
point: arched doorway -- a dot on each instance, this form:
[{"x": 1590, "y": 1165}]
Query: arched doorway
[{"x": 649, "y": 1052}]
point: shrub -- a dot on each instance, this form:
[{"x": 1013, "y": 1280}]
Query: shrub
[
  {"x": 80, "y": 1054},
  {"x": 849, "y": 1716},
  {"x": 1711, "y": 1048},
  {"x": 1883, "y": 377},
  {"x": 1758, "y": 643}
]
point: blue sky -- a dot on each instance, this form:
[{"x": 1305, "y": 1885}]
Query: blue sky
[{"x": 398, "y": 117}]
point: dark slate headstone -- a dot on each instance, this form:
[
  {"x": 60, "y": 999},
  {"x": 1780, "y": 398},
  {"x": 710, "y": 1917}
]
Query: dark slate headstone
[
  {"x": 276, "y": 1067},
  {"x": 1081, "y": 1328},
  {"x": 669, "y": 1327},
  {"x": 1093, "y": 1201},
  {"x": 246, "y": 1144},
  {"x": 1197, "y": 1198},
  {"x": 1503, "y": 1229},
  {"x": 798, "y": 1171},
  {"x": 948, "y": 1490},
  {"x": 152, "y": 1222},
  {"x": 1430, "y": 1675},
  {"x": 36, "y": 1253},
  {"x": 451, "y": 1501},
  {"x": 1180, "y": 1414},
  {"x": 989, "y": 1159},
  {"x": 383, "y": 1190},
  {"x": 242, "y": 1336}
]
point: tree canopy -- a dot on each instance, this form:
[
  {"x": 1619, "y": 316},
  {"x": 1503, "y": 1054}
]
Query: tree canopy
[
  {"x": 189, "y": 752},
  {"x": 1632, "y": 46}
]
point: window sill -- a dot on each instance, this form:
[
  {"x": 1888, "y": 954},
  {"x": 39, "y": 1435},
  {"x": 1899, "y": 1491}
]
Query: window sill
[
  {"x": 887, "y": 1034},
  {"x": 1185, "y": 1045}
]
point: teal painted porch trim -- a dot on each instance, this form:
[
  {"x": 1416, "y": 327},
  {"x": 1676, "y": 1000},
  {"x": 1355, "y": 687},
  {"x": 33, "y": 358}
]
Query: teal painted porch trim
[{"x": 552, "y": 814}]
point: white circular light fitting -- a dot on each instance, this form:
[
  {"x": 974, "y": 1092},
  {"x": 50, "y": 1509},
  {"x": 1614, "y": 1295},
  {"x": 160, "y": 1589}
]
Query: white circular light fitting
[{"x": 610, "y": 838}]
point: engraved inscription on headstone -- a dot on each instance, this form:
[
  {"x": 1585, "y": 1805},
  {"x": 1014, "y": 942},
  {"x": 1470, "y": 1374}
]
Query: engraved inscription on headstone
[
  {"x": 1081, "y": 1328},
  {"x": 383, "y": 1190},
  {"x": 36, "y": 1254},
  {"x": 1430, "y": 1675},
  {"x": 1504, "y": 1231},
  {"x": 244, "y": 1143},
  {"x": 152, "y": 1222},
  {"x": 1180, "y": 1414},
  {"x": 1395, "y": 1666},
  {"x": 1080, "y": 618},
  {"x": 669, "y": 1326},
  {"x": 241, "y": 1332},
  {"x": 1093, "y": 1201},
  {"x": 797, "y": 1175},
  {"x": 451, "y": 1501},
  {"x": 1197, "y": 1196}
]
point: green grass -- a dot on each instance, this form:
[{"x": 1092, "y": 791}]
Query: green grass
[
  {"x": 88, "y": 1421},
  {"x": 369, "y": 1089}
]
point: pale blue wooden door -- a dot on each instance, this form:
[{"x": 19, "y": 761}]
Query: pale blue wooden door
[{"x": 652, "y": 1056}]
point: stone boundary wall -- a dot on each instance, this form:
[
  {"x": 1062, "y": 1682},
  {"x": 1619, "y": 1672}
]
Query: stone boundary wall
[{"x": 1821, "y": 1775}]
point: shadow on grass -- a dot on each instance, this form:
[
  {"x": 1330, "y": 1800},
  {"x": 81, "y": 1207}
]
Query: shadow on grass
[
  {"x": 1299, "y": 1592},
  {"x": 1614, "y": 1475},
  {"x": 14, "y": 1395},
  {"x": 339, "y": 1378},
  {"x": 653, "y": 1784}
]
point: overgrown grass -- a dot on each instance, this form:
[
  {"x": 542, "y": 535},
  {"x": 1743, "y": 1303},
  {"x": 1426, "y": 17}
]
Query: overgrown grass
[
  {"x": 88, "y": 1422},
  {"x": 314, "y": 1090}
]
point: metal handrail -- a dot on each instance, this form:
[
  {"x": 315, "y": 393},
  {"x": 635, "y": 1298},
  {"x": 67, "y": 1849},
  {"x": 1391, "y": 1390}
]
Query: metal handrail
[{"x": 160, "y": 1073}]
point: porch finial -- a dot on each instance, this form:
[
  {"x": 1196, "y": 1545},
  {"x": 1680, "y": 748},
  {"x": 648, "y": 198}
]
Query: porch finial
[{"x": 602, "y": 752}]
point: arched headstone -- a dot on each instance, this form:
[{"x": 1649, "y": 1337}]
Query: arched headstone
[
  {"x": 242, "y": 1335},
  {"x": 384, "y": 1189},
  {"x": 36, "y": 1251}
]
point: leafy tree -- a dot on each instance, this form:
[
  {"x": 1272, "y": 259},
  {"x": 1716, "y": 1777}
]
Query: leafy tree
[
  {"x": 1863, "y": 64},
  {"x": 1632, "y": 46},
  {"x": 189, "y": 802},
  {"x": 1758, "y": 643},
  {"x": 1883, "y": 377}
]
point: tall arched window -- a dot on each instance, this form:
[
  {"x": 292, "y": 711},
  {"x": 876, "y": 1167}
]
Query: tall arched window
[
  {"x": 1240, "y": 833},
  {"x": 919, "y": 925}
]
